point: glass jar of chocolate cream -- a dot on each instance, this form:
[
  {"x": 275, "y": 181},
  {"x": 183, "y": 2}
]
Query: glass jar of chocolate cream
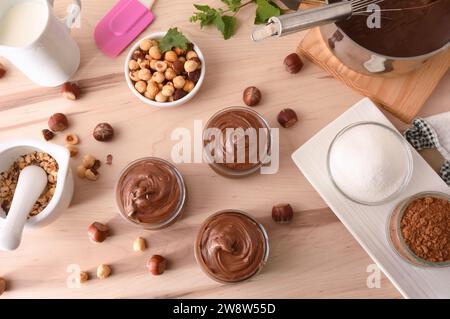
[
  {"x": 237, "y": 142},
  {"x": 150, "y": 193},
  {"x": 231, "y": 246}
]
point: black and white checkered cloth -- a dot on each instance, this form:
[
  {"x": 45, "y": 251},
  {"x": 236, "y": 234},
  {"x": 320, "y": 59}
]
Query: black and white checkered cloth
[{"x": 422, "y": 135}]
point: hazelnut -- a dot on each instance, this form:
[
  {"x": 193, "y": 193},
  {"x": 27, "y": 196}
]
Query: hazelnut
[
  {"x": 109, "y": 159},
  {"x": 287, "y": 118},
  {"x": 160, "y": 97},
  {"x": 190, "y": 66},
  {"x": 170, "y": 56},
  {"x": 158, "y": 77},
  {"x": 81, "y": 171},
  {"x": 88, "y": 161},
  {"x": 182, "y": 59},
  {"x": 188, "y": 86},
  {"x": 179, "y": 51},
  {"x": 144, "y": 64},
  {"x": 149, "y": 96},
  {"x": 104, "y": 132},
  {"x": 144, "y": 74},
  {"x": 252, "y": 96},
  {"x": 98, "y": 232},
  {"x": 134, "y": 76},
  {"x": 152, "y": 88},
  {"x": 191, "y": 54},
  {"x": 103, "y": 271},
  {"x": 139, "y": 244},
  {"x": 2, "y": 285},
  {"x": 47, "y": 134},
  {"x": 58, "y": 122},
  {"x": 168, "y": 90},
  {"x": 2, "y": 74},
  {"x": 179, "y": 94},
  {"x": 145, "y": 44},
  {"x": 72, "y": 139},
  {"x": 178, "y": 67},
  {"x": 96, "y": 165},
  {"x": 156, "y": 265},
  {"x": 91, "y": 175},
  {"x": 170, "y": 74},
  {"x": 152, "y": 64},
  {"x": 179, "y": 82},
  {"x": 141, "y": 86},
  {"x": 155, "y": 53},
  {"x": 83, "y": 276},
  {"x": 160, "y": 66},
  {"x": 138, "y": 55},
  {"x": 133, "y": 65},
  {"x": 194, "y": 76},
  {"x": 70, "y": 91},
  {"x": 282, "y": 213},
  {"x": 73, "y": 150},
  {"x": 293, "y": 63}
]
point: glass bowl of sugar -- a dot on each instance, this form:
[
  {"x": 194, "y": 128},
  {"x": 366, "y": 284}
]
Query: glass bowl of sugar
[{"x": 369, "y": 163}]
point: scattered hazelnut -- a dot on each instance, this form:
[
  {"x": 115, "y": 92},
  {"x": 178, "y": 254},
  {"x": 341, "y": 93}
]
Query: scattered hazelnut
[
  {"x": 282, "y": 213},
  {"x": 47, "y": 134},
  {"x": 252, "y": 96},
  {"x": 88, "y": 161},
  {"x": 91, "y": 175},
  {"x": 190, "y": 66},
  {"x": 194, "y": 76},
  {"x": 191, "y": 54},
  {"x": 188, "y": 86},
  {"x": 156, "y": 265},
  {"x": 160, "y": 97},
  {"x": 170, "y": 74},
  {"x": 58, "y": 122},
  {"x": 138, "y": 55},
  {"x": 145, "y": 44},
  {"x": 160, "y": 66},
  {"x": 144, "y": 74},
  {"x": 103, "y": 271},
  {"x": 170, "y": 56},
  {"x": 109, "y": 159},
  {"x": 83, "y": 276},
  {"x": 81, "y": 171},
  {"x": 139, "y": 244},
  {"x": 2, "y": 285},
  {"x": 133, "y": 65},
  {"x": 179, "y": 82},
  {"x": 287, "y": 118},
  {"x": 168, "y": 90},
  {"x": 2, "y": 70},
  {"x": 178, "y": 67},
  {"x": 98, "y": 232},
  {"x": 158, "y": 77},
  {"x": 73, "y": 150},
  {"x": 103, "y": 132},
  {"x": 72, "y": 139},
  {"x": 293, "y": 63},
  {"x": 155, "y": 53},
  {"x": 70, "y": 91},
  {"x": 179, "y": 94},
  {"x": 179, "y": 51}
]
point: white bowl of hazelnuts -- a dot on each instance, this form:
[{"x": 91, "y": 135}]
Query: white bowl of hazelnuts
[{"x": 165, "y": 77}]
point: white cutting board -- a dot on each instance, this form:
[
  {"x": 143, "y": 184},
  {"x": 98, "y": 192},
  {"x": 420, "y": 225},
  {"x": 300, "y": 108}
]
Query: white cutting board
[{"x": 368, "y": 223}]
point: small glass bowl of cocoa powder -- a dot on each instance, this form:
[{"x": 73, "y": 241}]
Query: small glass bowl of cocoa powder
[{"x": 419, "y": 229}]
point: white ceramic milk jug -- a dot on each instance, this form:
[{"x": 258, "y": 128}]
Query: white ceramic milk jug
[{"x": 37, "y": 42}]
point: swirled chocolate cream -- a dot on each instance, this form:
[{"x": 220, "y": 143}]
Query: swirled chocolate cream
[
  {"x": 233, "y": 138},
  {"x": 231, "y": 246},
  {"x": 150, "y": 191}
]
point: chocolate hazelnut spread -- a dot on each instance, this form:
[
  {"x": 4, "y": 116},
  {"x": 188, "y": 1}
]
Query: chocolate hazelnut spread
[
  {"x": 408, "y": 27},
  {"x": 231, "y": 246},
  {"x": 149, "y": 191},
  {"x": 238, "y": 118}
]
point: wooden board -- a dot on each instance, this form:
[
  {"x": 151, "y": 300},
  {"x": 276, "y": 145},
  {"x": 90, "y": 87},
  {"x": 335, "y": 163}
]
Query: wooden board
[
  {"x": 315, "y": 256},
  {"x": 368, "y": 223},
  {"x": 403, "y": 95}
]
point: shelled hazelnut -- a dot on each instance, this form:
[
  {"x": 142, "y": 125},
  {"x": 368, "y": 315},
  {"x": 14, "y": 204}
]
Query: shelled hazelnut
[
  {"x": 47, "y": 134},
  {"x": 70, "y": 91},
  {"x": 2, "y": 285},
  {"x": 103, "y": 271},
  {"x": 83, "y": 276},
  {"x": 139, "y": 244},
  {"x": 72, "y": 139},
  {"x": 73, "y": 150}
]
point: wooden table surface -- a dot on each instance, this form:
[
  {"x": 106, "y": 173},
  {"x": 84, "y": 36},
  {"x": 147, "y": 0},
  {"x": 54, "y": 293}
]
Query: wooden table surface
[{"x": 314, "y": 256}]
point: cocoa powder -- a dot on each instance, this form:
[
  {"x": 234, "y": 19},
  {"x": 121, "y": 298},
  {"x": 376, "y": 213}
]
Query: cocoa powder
[{"x": 425, "y": 227}]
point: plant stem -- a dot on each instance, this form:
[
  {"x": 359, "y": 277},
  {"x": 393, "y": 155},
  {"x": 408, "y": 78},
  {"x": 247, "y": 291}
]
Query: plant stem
[{"x": 240, "y": 7}]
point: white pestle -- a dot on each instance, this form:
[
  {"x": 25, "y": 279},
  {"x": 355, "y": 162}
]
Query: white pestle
[{"x": 31, "y": 184}]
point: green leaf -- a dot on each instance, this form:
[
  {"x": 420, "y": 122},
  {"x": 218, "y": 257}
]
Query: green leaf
[
  {"x": 205, "y": 15},
  {"x": 173, "y": 39},
  {"x": 265, "y": 10},
  {"x": 233, "y": 5},
  {"x": 226, "y": 25}
]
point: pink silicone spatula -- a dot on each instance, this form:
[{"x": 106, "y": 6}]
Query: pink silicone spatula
[{"x": 122, "y": 24}]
